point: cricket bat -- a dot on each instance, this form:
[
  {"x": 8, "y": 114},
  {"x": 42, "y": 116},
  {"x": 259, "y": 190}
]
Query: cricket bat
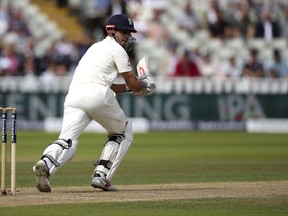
[
  {"x": 143, "y": 67},
  {"x": 143, "y": 71}
]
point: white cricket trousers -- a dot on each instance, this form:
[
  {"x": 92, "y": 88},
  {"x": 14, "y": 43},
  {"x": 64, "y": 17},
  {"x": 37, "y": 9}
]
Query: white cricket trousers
[
  {"x": 91, "y": 102},
  {"x": 80, "y": 108}
]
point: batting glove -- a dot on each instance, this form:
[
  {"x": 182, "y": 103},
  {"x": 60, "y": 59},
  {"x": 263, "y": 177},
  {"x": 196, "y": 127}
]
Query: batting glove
[{"x": 150, "y": 85}]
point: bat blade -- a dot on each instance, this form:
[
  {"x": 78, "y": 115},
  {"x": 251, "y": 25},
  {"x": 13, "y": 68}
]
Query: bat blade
[{"x": 143, "y": 66}]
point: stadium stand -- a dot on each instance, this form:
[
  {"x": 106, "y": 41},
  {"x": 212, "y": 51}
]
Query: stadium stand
[{"x": 65, "y": 26}]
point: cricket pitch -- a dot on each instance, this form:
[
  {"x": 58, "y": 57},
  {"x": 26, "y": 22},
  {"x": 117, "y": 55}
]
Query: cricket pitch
[{"x": 132, "y": 193}]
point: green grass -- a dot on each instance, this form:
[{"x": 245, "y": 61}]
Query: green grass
[
  {"x": 165, "y": 157},
  {"x": 199, "y": 207}
]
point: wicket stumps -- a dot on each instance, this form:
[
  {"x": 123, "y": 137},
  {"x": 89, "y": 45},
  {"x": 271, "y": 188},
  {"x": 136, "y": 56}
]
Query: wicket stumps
[{"x": 5, "y": 112}]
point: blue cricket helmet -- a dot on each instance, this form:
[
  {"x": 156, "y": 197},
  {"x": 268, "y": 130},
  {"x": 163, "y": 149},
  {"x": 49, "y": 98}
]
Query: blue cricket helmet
[{"x": 120, "y": 22}]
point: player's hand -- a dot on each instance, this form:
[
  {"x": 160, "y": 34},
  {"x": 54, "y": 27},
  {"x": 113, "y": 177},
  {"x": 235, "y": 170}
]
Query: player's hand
[
  {"x": 150, "y": 85},
  {"x": 142, "y": 77},
  {"x": 140, "y": 93}
]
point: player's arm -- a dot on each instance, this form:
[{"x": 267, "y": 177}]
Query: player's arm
[
  {"x": 119, "y": 88},
  {"x": 132, "y": 83}
]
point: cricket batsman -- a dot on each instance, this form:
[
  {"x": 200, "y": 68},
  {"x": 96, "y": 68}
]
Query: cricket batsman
[{"x": 91, "y": 97}]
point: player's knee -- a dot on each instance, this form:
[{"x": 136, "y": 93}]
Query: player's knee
[
  {"x": 115, "y": 138},
  {"x": 64, "y": 143},
  {"x": 59, "y": 152}
]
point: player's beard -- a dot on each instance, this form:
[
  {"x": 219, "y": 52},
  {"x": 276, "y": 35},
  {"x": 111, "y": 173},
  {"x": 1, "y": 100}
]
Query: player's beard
[{"x": 130, "y": 44}]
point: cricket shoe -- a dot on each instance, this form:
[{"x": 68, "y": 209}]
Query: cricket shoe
[
  {"x": 42, "y": 175},
  {"x": 100, "y": 182}
]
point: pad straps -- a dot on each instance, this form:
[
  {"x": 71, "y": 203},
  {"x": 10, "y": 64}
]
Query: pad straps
[
  {"x": 64, "y": 143},
  {"x": 53, "y": 161},
  {"x": 116, "y": 138},
  {"x": 106, "y": 163}
]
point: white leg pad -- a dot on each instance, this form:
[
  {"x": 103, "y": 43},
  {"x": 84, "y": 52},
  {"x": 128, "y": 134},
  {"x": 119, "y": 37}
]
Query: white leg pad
[
  {"x": 123, "y": 148},
  {"x": 115, "y": 153},
  {"x": 60, "y": 154},
  {"x": 108, "y": 154}
]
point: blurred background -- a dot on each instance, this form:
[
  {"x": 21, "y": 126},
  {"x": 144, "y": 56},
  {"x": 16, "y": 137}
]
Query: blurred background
[{"x": 218, "y": 64}]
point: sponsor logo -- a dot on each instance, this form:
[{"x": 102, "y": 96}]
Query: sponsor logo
[{"x": 130, "y": 21}]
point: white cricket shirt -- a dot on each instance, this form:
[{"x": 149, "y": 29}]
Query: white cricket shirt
[{"x": 101, "y": 63}]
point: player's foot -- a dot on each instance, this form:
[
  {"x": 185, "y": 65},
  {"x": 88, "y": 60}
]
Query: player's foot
[
  {"x": 100, "y": 182},
  {"x": 42, "y": 181}
]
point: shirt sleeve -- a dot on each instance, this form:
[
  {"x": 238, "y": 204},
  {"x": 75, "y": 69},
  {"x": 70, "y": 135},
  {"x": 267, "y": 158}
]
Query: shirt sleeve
[{"x": 122, "y": 60}]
